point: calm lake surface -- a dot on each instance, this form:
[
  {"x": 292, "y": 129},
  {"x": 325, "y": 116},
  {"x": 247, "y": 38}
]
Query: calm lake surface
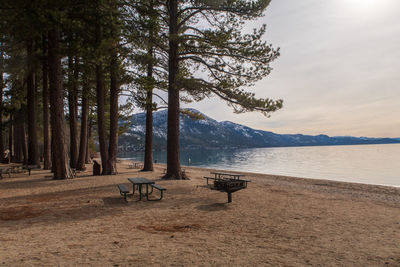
[{"x": 368, "y": 164}]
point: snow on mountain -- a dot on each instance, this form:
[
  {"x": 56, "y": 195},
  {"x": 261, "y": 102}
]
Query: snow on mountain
[{"x": 209, "y": 133}]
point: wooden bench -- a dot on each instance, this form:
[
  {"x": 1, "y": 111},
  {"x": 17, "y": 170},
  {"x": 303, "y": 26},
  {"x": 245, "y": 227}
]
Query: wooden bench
[
  {"x": 123, "y": 190},
  {"x": 160, "y": 188}
]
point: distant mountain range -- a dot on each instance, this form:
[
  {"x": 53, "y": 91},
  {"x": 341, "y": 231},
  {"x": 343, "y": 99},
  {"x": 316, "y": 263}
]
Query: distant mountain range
[{"x": 209, "y": 133}]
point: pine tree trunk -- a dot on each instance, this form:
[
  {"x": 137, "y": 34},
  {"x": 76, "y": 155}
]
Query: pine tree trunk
[
  {"x": 24, "y": 146},
  {"x": 19, "y": 141},
  {"x": 89, "y": 136},
  {"x": 17, "y": 158},
  {"x": 10, "y": 138},
  {"x": 52, "y": 153},
  {"x": 20, "y": 149},
  {"x": 173, "y": 161},
  {"x": 148, "y": 150},
  {"x": 33, "y": 148},
  {"x": 60, "y": 158},
  {"x": 113, "y": 143},
  {"x": 73, "y": 112},
  {"x": 100, "y": 95},
  {"x": 84, "y": 130},
  {"x": 1, "y": 104},
  {"x": 46, "y": 113}
]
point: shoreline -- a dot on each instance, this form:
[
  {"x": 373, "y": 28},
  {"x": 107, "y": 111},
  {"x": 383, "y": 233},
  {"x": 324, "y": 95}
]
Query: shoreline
[
  {"x": 317, "y": 185},
  {"x": 268, "y": 174},
  {"x": 277, "y": 220},
  {"x": 374, "y": 164}
]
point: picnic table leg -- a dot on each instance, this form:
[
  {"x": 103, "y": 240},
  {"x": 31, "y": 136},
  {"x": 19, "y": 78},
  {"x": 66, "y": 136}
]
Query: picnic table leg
[
  {"x": 229, "y": 197},
  {"x": 133, "y": 187},
  {"x": 140, "y": 191},
  {"x": 151, "y": 192}
]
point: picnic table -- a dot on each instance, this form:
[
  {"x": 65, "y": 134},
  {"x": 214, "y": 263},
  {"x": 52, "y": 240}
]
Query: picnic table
[
  {"x": 224, "y": 176},
  {"x": 31, "y": 167},
  {"x": 135, "y": 165},
  {"x": 139, "y": 182},
  {"x": 221, "y": 175}
]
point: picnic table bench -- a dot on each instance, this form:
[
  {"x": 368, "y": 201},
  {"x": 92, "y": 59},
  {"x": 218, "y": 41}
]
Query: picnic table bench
[
  {"x": 227, "y": 182},
  {"x": 123, "y": 190},
  {"x": 160, "y": 188}
]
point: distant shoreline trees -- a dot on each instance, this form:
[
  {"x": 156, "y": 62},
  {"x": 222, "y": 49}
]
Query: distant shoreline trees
[{"x": 69, "y": 61}]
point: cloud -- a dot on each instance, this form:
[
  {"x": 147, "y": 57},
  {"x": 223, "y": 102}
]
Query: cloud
[{"x": 338, "y": 72}]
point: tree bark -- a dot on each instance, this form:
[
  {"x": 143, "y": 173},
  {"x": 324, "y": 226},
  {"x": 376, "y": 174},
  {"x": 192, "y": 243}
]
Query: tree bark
[
  {"x": 173, "y": 153},
  {"x": 21, "y": 150},
  {"x": 60, "y": 158},
  {"x": 18, "y": 155},
  {"x": 24, "y": 144},
  {"x": 33, "y": 148},
  {"x": 148, "y": 150},
  {"x": 20, "y": 147},
  {"x": 84, "y": 129},
  {"x": 114, "y": 90},
  {"x": 73, "y": 111},
  {"x": 1, "y": 103},
  {"x": 52, "y": 153},
  {"x": 46, "y": 113},
  {"x": 10, "y": 138},
  {"x": 100, "y": 96},
  {"x": 89, "y": 137}
]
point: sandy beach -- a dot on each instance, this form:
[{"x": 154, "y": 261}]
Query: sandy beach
[{"x": 276, "y": 221}]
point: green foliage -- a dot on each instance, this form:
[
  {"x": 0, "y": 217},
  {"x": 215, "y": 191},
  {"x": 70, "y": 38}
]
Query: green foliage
[
  {"x": 215, "y": 57},
  {"x": 192, "y": 115},
  {"x": 211, "y": 44}
]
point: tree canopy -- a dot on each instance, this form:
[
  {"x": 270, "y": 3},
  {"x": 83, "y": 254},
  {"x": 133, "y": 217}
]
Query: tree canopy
[{"x": 73, "y": 59}]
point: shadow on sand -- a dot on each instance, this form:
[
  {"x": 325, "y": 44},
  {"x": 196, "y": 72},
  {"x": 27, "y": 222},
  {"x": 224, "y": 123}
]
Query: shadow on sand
[{"x": 214, "y": 207}]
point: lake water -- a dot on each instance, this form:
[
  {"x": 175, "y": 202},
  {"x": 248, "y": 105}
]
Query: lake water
[{"x": 368, "y": 164}]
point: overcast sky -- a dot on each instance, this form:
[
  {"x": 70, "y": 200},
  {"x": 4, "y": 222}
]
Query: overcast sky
[{"x": 338, "y": 73}]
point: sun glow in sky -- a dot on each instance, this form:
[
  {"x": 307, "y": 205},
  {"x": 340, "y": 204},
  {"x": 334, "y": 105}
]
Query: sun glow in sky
[
  {"x": 366, "y": 8},
  {"x": 363, "y": 4},
  {"x": 338, "y": 72}
]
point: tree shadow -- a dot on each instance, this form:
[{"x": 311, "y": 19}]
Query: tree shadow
[
  {"x": 87, "y": 191},
  {"x": 214, "y": 207},
  {"x": 57, "y": 207},
  {"x": 115, "y": 201},
  {"x": 28, "y": 183}
]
